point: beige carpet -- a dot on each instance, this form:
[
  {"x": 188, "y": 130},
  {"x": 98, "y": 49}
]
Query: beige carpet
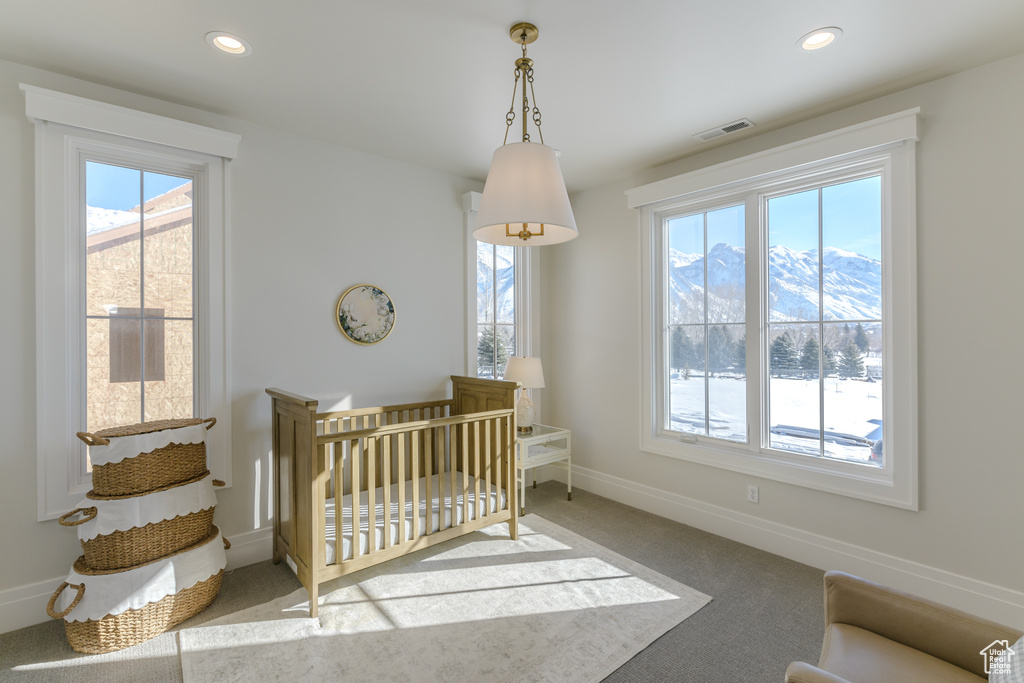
[{"x": 551, "y": 606}]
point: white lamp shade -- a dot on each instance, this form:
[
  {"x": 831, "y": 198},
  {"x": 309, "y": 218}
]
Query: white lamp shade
[
  {"x": 525, "y": 185},
  {"x": 526, "y": 370}
]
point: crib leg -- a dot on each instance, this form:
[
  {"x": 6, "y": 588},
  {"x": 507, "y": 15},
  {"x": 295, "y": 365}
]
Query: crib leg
[
  {"x": 314, "y": 601},
  {"x": 513, "y": 526}
]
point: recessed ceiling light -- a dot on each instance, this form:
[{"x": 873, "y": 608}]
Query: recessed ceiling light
[
  {"x": 819, "y": 38},
  {"x": 229, "y": 43}
]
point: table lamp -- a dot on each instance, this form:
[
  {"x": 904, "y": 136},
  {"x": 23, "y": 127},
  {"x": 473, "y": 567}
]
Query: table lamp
[{"x": 528, "y": 372}]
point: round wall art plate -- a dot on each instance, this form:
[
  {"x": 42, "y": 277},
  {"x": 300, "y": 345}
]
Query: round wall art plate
[{"x": 365, "y": 314}]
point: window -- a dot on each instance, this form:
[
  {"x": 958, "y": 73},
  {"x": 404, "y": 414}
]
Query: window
[
  {"x": 498, "y": 301},
  {"x": 825, "y": 327},
  {"x": 131, "y": 276},
  {"x": 706, "y": 330},
  {"x": 139, "y": 226},
  {"x": 779, "y": 313},
  {"x": 495, "y": 308}
]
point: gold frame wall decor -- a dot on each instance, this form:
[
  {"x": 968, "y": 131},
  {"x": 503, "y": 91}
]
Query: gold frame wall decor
[{"x": 365, "y": 314}]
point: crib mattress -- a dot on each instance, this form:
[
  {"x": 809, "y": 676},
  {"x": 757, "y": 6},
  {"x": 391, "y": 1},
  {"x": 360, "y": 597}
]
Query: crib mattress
[{"x": 389, "y": 525}]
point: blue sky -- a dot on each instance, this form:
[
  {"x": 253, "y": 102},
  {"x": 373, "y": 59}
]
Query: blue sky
[
  {"x": 851, "y": 220},
  {"x": 117, "y": 187}
]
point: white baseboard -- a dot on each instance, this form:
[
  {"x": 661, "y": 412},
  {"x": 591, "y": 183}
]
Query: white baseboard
[
  {"x": 26, "y": 605},
  {"x": 250, "y": 547},
  {"x": 994, "y": 602}
]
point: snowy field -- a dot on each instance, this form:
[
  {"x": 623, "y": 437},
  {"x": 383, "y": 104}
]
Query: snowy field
[{"x": 853, "y": 413}]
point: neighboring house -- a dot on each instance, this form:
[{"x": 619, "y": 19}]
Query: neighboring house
[{"x": 114, "y": 364}]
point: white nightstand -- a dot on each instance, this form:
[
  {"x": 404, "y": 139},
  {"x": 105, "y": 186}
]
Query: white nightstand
[{"x": 543, "y": 446}]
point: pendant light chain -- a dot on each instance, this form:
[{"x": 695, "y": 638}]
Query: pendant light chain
[
  {"x": 524, "y": 70},
  {"x": 536, "y": 111},
  {"x": 526, "y": 100}
]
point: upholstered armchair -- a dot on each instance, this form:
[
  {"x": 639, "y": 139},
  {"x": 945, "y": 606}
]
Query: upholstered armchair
[{"x": 874, "y": 633}]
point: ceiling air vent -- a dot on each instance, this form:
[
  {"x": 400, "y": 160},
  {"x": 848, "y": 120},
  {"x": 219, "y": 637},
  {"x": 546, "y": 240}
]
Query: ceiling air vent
[{"x": 724, "y": 130}]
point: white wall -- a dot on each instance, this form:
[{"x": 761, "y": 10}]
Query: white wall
[
  {"x": 961, "y": 546},
  {"x": 309, "y": 220}
]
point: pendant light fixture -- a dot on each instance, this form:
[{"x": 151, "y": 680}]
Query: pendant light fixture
[{"x": 524, "y": 202}]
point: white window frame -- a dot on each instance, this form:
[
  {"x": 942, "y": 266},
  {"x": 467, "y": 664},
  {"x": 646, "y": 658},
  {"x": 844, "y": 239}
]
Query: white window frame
[
  {"x": 888, "y": 144},
  {"x": 527, "y": 342},
  {"x": 66, "y": 128}
]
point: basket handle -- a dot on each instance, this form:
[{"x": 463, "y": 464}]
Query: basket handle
[
  {"x": 88, "y": 514},
  {"x": 92, "y": 439},
  {"x": 212, "y": 421},
  {"x": 218, "y": 482},
  {"x": 227, "y": 543},
  {"x": 74, "y": 603}
]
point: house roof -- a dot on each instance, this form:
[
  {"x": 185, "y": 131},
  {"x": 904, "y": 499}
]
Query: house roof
[{"x": 621, "y": 85}]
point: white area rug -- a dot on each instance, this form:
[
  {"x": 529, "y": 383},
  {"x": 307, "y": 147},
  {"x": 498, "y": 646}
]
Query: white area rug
[{"x": 551, "y": 606}]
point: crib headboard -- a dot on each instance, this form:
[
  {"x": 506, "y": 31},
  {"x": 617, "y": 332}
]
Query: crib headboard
[{"x": 474, "y": 395}]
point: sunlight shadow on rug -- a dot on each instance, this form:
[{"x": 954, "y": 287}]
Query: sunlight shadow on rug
[{"x": 550, "y": 606}]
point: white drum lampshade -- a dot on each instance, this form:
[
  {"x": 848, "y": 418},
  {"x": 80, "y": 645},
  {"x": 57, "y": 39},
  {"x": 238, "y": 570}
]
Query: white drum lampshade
[
  {"x": 528, "y": 372},
  {"x": 525, "y": 186}
]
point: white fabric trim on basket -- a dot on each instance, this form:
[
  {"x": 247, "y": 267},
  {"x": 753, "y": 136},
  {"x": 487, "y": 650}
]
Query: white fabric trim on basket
[
  {"x": 122, "y": 447},
  {"x": 138, "y": 511},
  {"x": 118, "y": 592}
]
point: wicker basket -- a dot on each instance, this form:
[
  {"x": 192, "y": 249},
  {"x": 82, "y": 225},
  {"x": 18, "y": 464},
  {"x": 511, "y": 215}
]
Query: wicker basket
[
  {"x": 141, "y": 544},
  {"x": 144, "y": 472},
  {"x": 133, "y": 626}
]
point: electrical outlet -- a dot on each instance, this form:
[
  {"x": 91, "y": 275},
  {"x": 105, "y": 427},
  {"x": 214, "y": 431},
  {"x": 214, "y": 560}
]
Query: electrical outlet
[{"x": 752, "y": 494}]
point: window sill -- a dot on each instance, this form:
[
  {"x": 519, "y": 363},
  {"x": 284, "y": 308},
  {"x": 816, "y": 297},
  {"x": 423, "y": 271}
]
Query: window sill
[{"x": 886, "y": 486}]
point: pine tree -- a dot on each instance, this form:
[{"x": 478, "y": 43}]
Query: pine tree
[
  {"x": 491, "y": 351},
  {"x": 739, "y": 354},
  {"x": 810, "y": 356},
  {"x": 860, "y": 338},
  {"x": 782, "y": 355},
  {"x": 686, "y": 354},
  {"x": 850, "y": 362},
  {"x": 828, "y": 360},
  {"x": 681, "y": 349},
  {"x": 719, "y": 348}
]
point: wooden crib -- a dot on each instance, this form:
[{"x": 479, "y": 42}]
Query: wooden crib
[{"x": 408, "y": 476}]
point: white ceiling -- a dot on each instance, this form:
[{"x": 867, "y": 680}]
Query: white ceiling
[{"x": 621, "y": 85}]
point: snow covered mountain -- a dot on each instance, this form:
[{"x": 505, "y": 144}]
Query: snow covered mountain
[
  {"x": 852, "y": 284},
  {"x": 504, "y": 278}
]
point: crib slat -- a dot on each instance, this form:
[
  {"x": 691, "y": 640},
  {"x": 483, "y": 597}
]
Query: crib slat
[
  {"x": 499, "y": 464},
  {"x": 428, "y": 470},
  {"x": 401, "y": 488},
  {"x": 453, "y": 465},
  {"x": 385, "y": 482},
  {"x": 355, "y": 457},
  {"x": 440, "y": 455},
  {"x": 476, "y": 471},
  {"x": 487, "y": 462},
  {"x": 339, "y": 499},
  {"x": 465, "y": 472},
  {"x": 414, "y": 467},
  {"x": 371, "y": 498}
]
